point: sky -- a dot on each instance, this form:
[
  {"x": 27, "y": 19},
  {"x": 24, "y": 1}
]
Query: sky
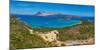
[
  {"x": 82, "y": 2},
  {"x": 30, "y": 8}
]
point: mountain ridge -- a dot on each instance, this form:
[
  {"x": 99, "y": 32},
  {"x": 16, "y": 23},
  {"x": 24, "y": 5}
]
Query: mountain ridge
[{"x": 50, "y": 14}]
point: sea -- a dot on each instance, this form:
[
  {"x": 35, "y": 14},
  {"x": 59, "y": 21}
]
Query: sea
[{"x": 50, "y": 22}]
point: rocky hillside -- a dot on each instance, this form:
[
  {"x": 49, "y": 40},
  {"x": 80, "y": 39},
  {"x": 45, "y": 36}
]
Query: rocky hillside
[{"x": 20, "y": 37}]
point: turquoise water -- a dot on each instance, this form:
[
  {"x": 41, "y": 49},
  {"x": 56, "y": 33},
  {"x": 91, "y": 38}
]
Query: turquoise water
[{"x": 47, "y": 22}]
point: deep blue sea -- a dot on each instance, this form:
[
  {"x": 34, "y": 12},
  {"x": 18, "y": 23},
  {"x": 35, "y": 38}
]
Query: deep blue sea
[{"x": 48, "y": 22}]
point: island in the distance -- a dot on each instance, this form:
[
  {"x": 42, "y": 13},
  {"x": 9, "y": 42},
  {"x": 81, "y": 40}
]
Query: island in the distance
[{"x": 40, "y": 25}]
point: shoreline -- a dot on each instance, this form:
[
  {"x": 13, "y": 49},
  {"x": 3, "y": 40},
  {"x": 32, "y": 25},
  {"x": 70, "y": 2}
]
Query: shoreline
[{"x": 54, "y": 27}]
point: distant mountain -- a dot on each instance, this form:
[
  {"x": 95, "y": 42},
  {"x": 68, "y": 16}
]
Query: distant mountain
[
  {"x": 46, "y": 13},
  {"x": 52, "y": 14}
]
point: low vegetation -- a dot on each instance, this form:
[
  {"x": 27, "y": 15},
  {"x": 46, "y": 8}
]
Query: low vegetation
[{"x": 20, "y": 37}]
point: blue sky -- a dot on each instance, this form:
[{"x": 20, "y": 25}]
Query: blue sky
[{"x": 19, "y": 7}]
